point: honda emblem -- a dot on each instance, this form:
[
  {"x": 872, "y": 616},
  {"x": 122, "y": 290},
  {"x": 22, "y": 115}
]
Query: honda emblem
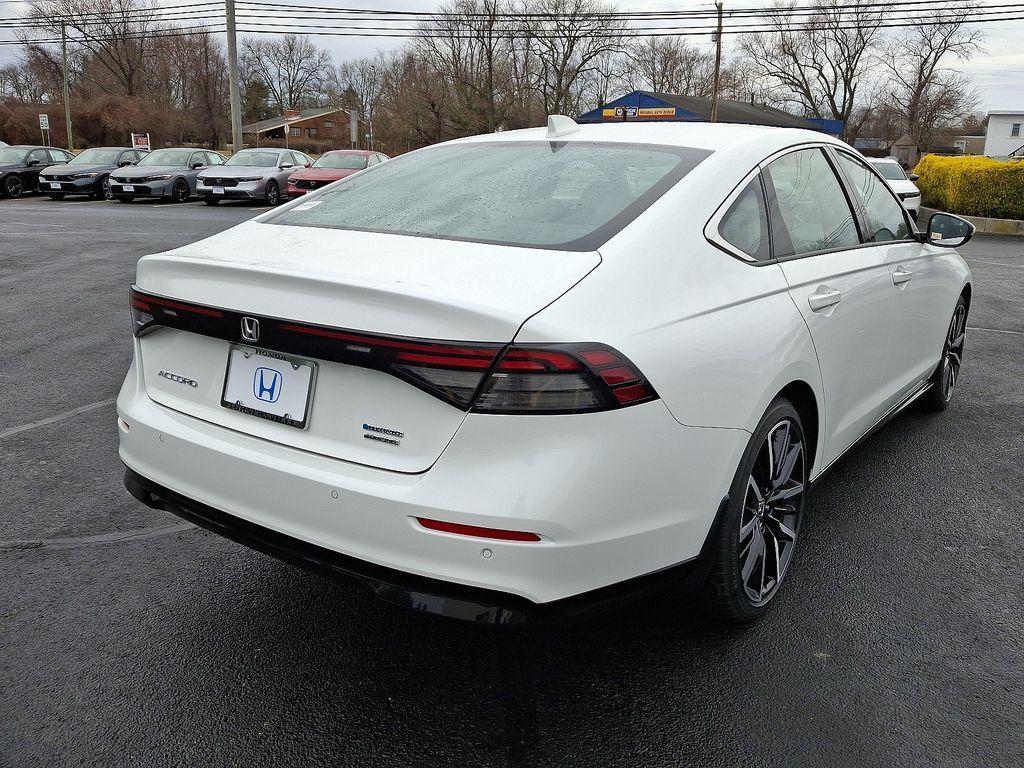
[{"x": 250, "y": 329}]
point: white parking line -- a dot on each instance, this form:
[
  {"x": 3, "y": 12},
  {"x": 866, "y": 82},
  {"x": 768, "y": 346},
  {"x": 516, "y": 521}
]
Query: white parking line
[
  {"x": 54, "y": 419},
  {"x": 995, "y": 263},
  {"x": 979, "y": 328},
  {"x": 151, "y": 532}
]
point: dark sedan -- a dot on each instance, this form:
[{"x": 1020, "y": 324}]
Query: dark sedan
[
  {"x": 88, "y": 174},
  {"x": 20, "y": 166}
]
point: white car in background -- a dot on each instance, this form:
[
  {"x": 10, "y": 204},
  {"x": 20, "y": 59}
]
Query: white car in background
[
  {"x": 902, "y": 184},
  {"x": 541, "y": 369}
]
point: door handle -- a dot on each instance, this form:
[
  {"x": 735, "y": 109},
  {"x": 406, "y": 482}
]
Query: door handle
[
  {"x": 901, "y": 276},
  {"x": 824, "y": 298}
]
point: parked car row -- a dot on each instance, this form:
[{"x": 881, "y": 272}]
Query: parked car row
[{"x": 176, "y": 174}]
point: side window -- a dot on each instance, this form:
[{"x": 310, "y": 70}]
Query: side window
[
  {"x": 371, "y": 160},
  {"x": 197, "y": 157},
  {"x": 810, "y": 210},
  {"x": 214, "y": 159},
  {"x": 886, "y": 220},
  {"x": 39, "y": 156},
  {"x": 745, "y": 224}
]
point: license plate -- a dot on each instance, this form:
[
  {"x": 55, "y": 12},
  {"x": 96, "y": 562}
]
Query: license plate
[
  {"x": 127, "y": 188},
  {"x": 54, "y": 185},
  {"x": 218, "y": 190},
  {"x": 269, "y": 385}
]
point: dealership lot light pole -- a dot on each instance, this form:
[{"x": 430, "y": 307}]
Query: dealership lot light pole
[
  {"x": 236, "y": 102},
  {"x": 67, "y": 89}
]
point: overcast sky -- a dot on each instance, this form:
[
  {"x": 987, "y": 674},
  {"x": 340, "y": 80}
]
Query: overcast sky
[{"x": 998, "y": 73}]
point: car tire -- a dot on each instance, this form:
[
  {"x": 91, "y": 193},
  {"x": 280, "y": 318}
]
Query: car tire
[
  {"x": 211, "y": 201},
  {"x": 56, "y": 197},
  {"x": 13, "y": 186},
  {"x": 101, "y": 191},
  {"x": 757, "y": 535},
  {"x": 272, "y": 196},
  {"x": 180, "y": 192},
  {"x": 947, "y": 373}
]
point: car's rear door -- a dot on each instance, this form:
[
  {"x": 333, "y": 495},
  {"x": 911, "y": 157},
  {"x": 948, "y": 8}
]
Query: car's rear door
[
  {"x": 841, "y": 286},
  {"x": 923, "y": 296}
]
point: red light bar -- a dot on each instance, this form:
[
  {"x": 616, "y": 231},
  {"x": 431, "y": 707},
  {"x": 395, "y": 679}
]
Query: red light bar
[
  {"x": 383, "y": 341},
  {"x": 146, "y": 299},
  {"x": 475, "y": 530}
]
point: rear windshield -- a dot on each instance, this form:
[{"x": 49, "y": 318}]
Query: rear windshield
[
  {"x": 346, "y": 162},
  {"x": 567, "y": 196},
  {"x": 890, "y": 171}
]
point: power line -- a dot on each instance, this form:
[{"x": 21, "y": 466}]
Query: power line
[{"x": 269, "y": 25}]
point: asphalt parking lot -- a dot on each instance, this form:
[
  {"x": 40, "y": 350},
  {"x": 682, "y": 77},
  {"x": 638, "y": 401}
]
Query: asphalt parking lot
[{"x": 130, "y": 638}]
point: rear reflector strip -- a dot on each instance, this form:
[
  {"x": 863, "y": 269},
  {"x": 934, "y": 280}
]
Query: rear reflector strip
[
  {"x": 477, "y": 531},
  {"x": 488, "y": 378}
]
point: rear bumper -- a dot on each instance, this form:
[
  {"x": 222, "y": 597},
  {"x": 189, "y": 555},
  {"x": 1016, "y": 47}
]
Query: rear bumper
[
  {"x": 614, "y": 496},
  {"x": 405, "y": 589}
]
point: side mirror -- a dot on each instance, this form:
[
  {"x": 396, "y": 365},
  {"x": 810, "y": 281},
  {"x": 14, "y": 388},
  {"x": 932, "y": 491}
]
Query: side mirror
[
  {"x": 125, "y": 163},
  {"x": 948, "y": 231},
  {"x": 33, "y": 163},
  {"x": 196, "y": 166},
  {"x": 286, "y": 166},
  {"x": 914, "y": 176}
]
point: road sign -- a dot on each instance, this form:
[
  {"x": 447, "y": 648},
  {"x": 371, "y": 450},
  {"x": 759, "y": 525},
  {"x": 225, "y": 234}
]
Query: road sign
[
  {"x": 140, "y": 141},
  {"x": 44, "y": 122}
]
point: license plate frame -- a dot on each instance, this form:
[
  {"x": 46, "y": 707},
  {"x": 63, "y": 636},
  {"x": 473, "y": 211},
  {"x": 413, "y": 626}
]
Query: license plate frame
[
  {"x": 54, "y": 185},
  {"x": 218, "y": 190},
  {"x": 127, "y": 187},
  {"x": 267, "y": 360}
]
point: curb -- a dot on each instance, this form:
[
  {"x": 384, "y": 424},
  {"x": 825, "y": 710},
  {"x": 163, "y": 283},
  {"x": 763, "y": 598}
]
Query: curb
[{"x": 982, "y": 225}]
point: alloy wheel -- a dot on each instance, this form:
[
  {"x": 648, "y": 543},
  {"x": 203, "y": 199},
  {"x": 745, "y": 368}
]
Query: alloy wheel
[
  {"x": 107, "y": 194},
  {"x": 770, "y": 518},
  {"x": 273, "y": 194},
  {"x": 13, "y": 187},
  {"x": 180, "y": 192},
  {"x": 953, "y": 352}
]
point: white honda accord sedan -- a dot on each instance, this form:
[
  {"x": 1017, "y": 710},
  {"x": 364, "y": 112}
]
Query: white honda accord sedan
[{"x": 545, "y": 369}]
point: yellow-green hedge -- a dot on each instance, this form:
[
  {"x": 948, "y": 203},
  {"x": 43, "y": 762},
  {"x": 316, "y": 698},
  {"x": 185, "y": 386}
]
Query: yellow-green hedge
[{"x": 973, "y": 186}]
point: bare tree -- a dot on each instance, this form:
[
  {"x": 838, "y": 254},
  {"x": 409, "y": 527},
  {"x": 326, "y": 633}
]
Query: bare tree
[
  {"x": 819, "y": 62},
  {"x": 671, "y": 65},
  {"x": 291, "y": 67},
  {"x": 568, "y": 38},
  {"x": 115, "y": 33},
  {"x": 923, "y": 91}
]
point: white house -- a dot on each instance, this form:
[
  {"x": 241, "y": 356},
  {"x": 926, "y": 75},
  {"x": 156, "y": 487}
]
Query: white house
[{"x": 1005, "y": 134}]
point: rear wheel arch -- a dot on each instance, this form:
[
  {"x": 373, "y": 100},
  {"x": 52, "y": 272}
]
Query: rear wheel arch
[{"x": 802, "y": 396}]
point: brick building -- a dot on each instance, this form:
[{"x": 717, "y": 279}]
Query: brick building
[{"x": 318, "y": 129}]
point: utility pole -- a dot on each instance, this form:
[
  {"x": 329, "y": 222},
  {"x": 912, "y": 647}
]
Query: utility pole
[
  {"x": 67, "y": 88},
  {"x": 236, "y": 99},
  {"x": 718, "y": 64}
]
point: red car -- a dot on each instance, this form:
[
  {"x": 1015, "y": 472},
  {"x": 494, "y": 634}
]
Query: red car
[{"x": 333, "y": 165}]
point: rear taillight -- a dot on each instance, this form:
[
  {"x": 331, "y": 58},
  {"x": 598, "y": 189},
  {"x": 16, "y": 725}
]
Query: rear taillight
[
  {"x": 488, "y": 378},
  {"x": 571, "y": 378}
]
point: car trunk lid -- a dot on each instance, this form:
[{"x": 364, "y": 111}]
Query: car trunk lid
[{"x": 327, "y": 297}]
